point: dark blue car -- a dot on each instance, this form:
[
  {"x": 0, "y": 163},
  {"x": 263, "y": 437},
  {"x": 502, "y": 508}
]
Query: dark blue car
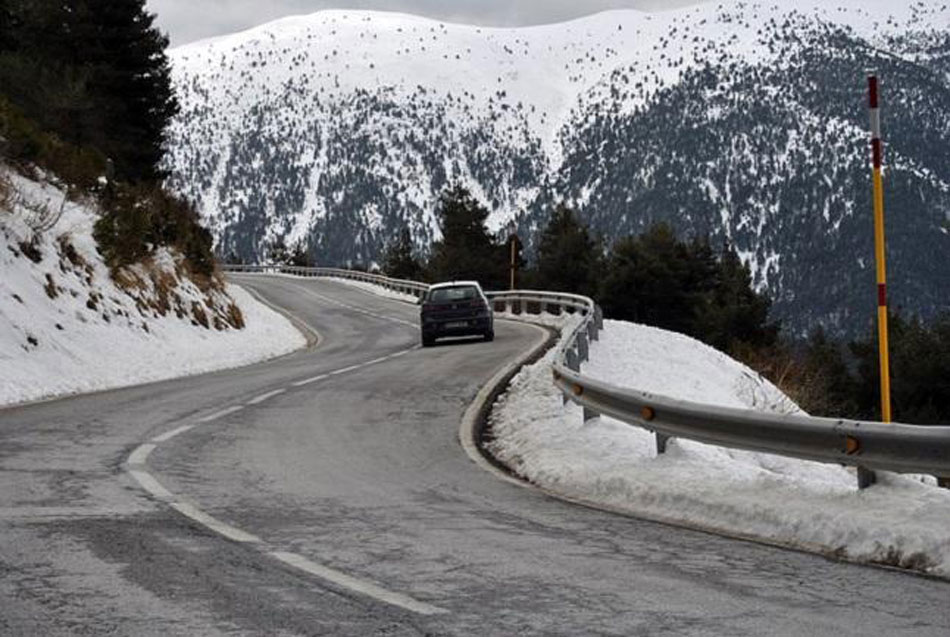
[{"x": 458, "y": 308}]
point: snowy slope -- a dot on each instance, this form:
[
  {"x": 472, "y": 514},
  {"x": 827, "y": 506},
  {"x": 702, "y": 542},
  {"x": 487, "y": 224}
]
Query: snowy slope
[
  {"x": 67, "y": 327},
  {"x": 901, "y": 521},
  {"x": 743, "y": 121}
]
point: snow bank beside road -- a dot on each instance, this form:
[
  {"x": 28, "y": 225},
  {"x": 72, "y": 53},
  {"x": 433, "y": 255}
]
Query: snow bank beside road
[
  {"x": 66, "y": 326},
  {"x": 901, "y": 521},
  {"x": 378, "y": 290}
]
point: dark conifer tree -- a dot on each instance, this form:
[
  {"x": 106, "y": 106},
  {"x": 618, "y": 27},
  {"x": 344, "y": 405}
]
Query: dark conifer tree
[
  {"x": 8, "y": 26},
  {"x": 93, "y": 72},
  {"x": 648, "y": 281},
  {"x": 734, "y": 311},
  {"x": 123, "y": 53},
  {"x": 569, "y": 260},
  {"x": 399, "y": 262},
  {"x": 466, "y": 250}
]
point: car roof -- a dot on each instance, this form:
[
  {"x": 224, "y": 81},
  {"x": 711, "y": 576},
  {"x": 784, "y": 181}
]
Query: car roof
[{"x": 452, "y": 284}]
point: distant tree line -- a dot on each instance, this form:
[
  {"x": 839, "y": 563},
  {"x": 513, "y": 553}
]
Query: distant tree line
[
  {"x": 658, "y": 279},
  {"x": 85, "y": 94}
]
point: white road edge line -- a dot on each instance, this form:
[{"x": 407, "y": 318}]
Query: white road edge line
[
  {"x": 354, "y": 584},
  {"x": 470, "y": 418},
  {"x": 216, "y": 525},
  {"x": 268, "y": 395},
  {"x": 221, "y": 414},
  {"x": 168, "y": 435},
  {"x": 140, "y": 454}
]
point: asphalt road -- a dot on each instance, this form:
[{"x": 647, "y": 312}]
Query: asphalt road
[{"x": 361, "y": 515}]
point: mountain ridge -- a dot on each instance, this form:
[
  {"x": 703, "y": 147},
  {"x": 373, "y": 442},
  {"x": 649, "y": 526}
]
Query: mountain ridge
[{"x": 338, "y": 128}]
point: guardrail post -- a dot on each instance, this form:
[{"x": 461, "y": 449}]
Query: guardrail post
[
  {"x": 866, "y": 478},
  {"x": 572, "y": 361},
  {"x": 661, "y": 441},
  {"x": 599, "y": 317},
  {"x": 589, "y": 414},
  {"x": 582, "y": 349},
  {"x": 592, "y": 332}
]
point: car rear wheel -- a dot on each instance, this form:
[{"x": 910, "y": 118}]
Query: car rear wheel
[
  {"x": 490, "y": 335},
  {"x": 428, "y": 341}
]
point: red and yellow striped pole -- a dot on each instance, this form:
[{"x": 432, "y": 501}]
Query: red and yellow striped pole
[
  {"x": 877, "y": 152},
  {"x": 866, "y": 477}
]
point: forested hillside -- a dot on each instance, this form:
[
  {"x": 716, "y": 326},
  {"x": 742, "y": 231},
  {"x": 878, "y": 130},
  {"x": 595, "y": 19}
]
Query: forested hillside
[{"x": 742, "y": 121}]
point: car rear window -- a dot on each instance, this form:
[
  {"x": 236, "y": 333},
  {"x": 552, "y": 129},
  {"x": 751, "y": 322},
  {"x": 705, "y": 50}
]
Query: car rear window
[{"x": 452, "y": 294}]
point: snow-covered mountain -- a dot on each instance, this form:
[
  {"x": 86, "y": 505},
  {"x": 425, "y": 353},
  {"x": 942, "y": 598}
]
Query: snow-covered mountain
[{"x": 742, "y": 120}]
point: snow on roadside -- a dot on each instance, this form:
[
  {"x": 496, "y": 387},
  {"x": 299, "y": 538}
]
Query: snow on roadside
[
  {"x": 901, "y": 521},
  {"x": 376, "y": 289},
  {"x": 66, "y": 326}
]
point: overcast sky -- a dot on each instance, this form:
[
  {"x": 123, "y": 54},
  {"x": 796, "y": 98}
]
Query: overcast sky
[{"x": 188, "y": 20}]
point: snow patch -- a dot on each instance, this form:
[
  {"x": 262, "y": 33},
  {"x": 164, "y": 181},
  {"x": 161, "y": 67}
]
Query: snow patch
[
  {"x": 66, "y": 326},
  {"x": 901, "y": 521}
]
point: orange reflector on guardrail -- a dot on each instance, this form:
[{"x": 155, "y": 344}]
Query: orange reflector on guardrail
[
  {"x": 647, "y": 413},
  {"x": 852, "y": 445},
  {"x": 578, "y": 390}
]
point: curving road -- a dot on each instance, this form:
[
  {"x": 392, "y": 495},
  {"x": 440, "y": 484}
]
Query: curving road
[{"x": 326, "y": 493}]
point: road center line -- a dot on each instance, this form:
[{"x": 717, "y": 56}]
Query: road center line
[
  {"x": 140, "y": 454},
  {"x": 168, "y": 435},
  {"x": 263, "y": 397},
  {"x": 301, "y": 383},
  {"x": 221, "y": 414},
  {"x": 355, "y": 584},
  {"x": 345, "y": 370}
]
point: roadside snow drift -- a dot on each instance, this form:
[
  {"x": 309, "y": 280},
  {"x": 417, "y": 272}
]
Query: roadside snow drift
[
  {"x": 66, "y": 326},
  {"x": 902, "y": 521}
]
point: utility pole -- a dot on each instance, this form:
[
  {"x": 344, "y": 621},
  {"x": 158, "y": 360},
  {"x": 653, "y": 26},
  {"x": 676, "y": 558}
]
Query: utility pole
[{"x": 513, "y": 253}]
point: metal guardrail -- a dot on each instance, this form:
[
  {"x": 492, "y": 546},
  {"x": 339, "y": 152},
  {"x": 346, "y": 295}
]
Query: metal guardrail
[
  {"x": 901, "y": 448},
  {"x": 414, "y": 288}
]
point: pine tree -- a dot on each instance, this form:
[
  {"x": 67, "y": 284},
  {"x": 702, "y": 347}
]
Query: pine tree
[
  {"x": 8, "y": 26},
  {"x": 129, "y": 79},
  {"x": 734, "y": 311},
  {"x": 828, "y": 379},
  {"x": 300, "y": 255},
  {"x": 649, "y": 281},
  {"x": 467, "y": 250},
  {"x": 94, "y": 73},
  {"x": 398, "y": 259},
  {"x": 920, "y": 371},
  {"x": 568, "y": 258}
]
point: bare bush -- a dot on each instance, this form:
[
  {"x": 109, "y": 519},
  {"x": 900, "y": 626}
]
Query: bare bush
[
  {"x": 6, "y": 194},
  {"x": 43, "y": 216}
]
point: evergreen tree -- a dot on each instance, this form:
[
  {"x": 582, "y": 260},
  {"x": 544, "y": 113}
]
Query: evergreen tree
[
  {"x": 398, "y": 259},
  {"x": 466, "y": 250},
  {"x": 129, "y": 78},
  {"x": 832, "y": 390},
  {"x": 648, "y": 281},
  {"x": 735, "y": 312},
  {"x": 8, "y": 26},
  {"x": 569, "y": 259},
  {"x": 94, "y": 73},
  {"x": 277, "y": 252},
  {"x": 300, "y": 255},
  {"x": 920, "y": 371}
]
